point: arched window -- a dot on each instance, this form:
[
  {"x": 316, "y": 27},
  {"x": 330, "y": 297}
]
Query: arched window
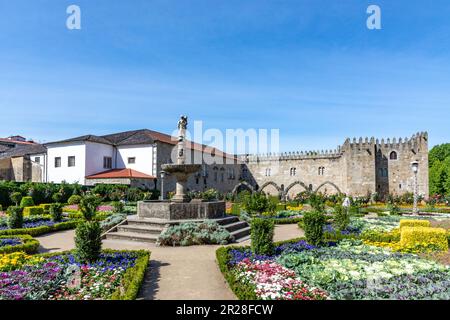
[
  {"x": 393, "y": 155},
  {"x": 293, "y": 172},
  {"x": 267, "y": 172},
  {"x": 321, "y": 171}
]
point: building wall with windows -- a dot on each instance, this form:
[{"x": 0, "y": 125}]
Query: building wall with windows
[
  {"x": 136, "y": 157},
  {"x": 58, "y": 169},
  {"x": 357, "y": 168}
]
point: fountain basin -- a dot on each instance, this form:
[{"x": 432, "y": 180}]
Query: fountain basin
[{"x": 168, "y": 210}]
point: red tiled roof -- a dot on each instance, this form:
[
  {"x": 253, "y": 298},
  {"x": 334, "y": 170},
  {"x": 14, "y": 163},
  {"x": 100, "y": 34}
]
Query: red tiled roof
[
  {"x": 120, "y": 173},
  {"x": 16, "y": 142}
]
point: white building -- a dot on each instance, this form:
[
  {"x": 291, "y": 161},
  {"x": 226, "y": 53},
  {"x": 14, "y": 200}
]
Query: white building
[{"x": 91, "y": 159}]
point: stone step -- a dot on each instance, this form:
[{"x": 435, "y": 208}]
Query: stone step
[
  {"x": 227, "y": 220},
  {"x": 243, "y": 239},
  {"x": 235, "y": 226},
  {"x": 238, "y": 234},
  {"x": 137, "y": 228},
  {"x": 132, "y": 236},
  {"x": 156, "y": 223}
]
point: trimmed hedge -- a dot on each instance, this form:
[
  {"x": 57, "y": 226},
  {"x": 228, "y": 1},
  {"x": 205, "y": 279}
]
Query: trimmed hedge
[
  {"x": 26, "y": 202},
  {"x": 242, "y": 290},
  {"x": 99, "y": 216},
  {"x": 133, "y": 278},
  {"x": 29, "y": 245},
  {"x": 41, "y": 230},
  {"x": 262, "y": 236},
  {"x": 33, "y": 211},
  {"x": 424, "y": 236},
  {"x": 46, "y": 207},
  {"x": 414, "y": 223}
]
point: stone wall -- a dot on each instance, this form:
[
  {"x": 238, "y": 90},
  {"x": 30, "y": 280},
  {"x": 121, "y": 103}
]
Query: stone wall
[
  {"x": 353, "y": 169},
  {"x": 357, "y": 168}
]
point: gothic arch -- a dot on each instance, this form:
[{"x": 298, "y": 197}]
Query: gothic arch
[
  {"x": 331, "y": 184},
  {"x": 270, "y": 183},
  {"x": 243, "y": 184},
  {"x": 293, "y": 184}
]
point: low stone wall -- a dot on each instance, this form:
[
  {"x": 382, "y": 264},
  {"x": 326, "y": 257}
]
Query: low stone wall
[{"x": 180, "y": 211}]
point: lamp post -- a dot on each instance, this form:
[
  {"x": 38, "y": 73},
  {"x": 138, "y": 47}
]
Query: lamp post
[
  {"x": 415, "y": 169},
  {"x": 163, "y": 174}
]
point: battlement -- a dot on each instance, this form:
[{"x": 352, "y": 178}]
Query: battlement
[
  {"x": 351, "y": 145},
  {"x": 398, "y": 144},
  {"x": 296, "y": 155}
]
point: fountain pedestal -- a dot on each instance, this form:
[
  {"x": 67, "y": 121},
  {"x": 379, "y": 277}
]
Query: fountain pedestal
[{"x": 179, "y": 207}]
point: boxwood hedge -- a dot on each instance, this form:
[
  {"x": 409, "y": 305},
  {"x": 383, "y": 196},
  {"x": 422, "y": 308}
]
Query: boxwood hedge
[
  {"x": 41, "y": 230},
  {"x": 29, "y": 245}
]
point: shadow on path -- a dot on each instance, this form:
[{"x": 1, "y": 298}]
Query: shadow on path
[{"x": 150, "y": 286}]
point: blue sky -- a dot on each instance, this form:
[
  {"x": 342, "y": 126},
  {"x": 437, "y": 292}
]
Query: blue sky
[{"x": 309, "y": 68}]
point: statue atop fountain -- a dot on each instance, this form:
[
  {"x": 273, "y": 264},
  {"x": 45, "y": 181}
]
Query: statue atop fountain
[{"x": 181, "y": 170}]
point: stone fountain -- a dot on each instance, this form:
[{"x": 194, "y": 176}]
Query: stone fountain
[{"x": 180, "y": 207}]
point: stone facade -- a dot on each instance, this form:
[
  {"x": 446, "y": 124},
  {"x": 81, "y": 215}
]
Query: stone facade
[
  {"x": 357, "y": 168},
  {"x": 20, "y": 169}
]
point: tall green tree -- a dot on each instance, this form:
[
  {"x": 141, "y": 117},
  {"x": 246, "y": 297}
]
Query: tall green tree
[{"x": 439, "y": 173}]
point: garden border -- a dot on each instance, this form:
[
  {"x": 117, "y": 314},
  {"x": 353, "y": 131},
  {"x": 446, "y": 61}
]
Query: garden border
[
  {"x": 41, "y": 230},
  {"x": 29, "y": 245}
]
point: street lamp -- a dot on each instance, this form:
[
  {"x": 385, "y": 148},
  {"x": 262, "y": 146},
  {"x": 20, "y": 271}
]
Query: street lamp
[
  {"x": 415, "y": 169},
  {"x": 163, "y": 174}
]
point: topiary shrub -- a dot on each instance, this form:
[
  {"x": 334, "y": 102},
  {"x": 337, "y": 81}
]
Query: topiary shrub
[
  {"x": 75, "y": 199},
  {"x": 33, "y": 211},
  {"x": 26, "y": 202},
  {"x": 257, "y": 203},
  {"x": 341, "y": 218},
  {"x": 15, "y": 217},
  {"x": 424, "y": 239},
  {"x": 88, "y": 242},
  {"x": 56, "y": 211},
  {"x": 262, "y": 236},
  {"x": 313, "y": 223},
  {"x": 57, "y": 197},
  {"x": 16, "y": 197},
  {"x": 46, "y": 207},
  {"x": 88, "y": 206},
  {"x": 414, "y": 223},
  {"x": 118, "y": 206}
]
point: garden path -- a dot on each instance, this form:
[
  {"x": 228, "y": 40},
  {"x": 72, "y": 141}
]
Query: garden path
[{"x": 179, "y": 273}]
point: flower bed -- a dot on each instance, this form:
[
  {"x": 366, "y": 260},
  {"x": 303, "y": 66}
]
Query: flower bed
[
  {"x": 116, "y": 275},
  {"x": 36, "y": 228},
  {"x": 347, "y": 270},
  {"x": 16, "y": 243}
]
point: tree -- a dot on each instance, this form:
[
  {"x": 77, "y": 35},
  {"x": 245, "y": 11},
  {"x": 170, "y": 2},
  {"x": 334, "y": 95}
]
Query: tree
[{"x": 439, "y": 173}]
